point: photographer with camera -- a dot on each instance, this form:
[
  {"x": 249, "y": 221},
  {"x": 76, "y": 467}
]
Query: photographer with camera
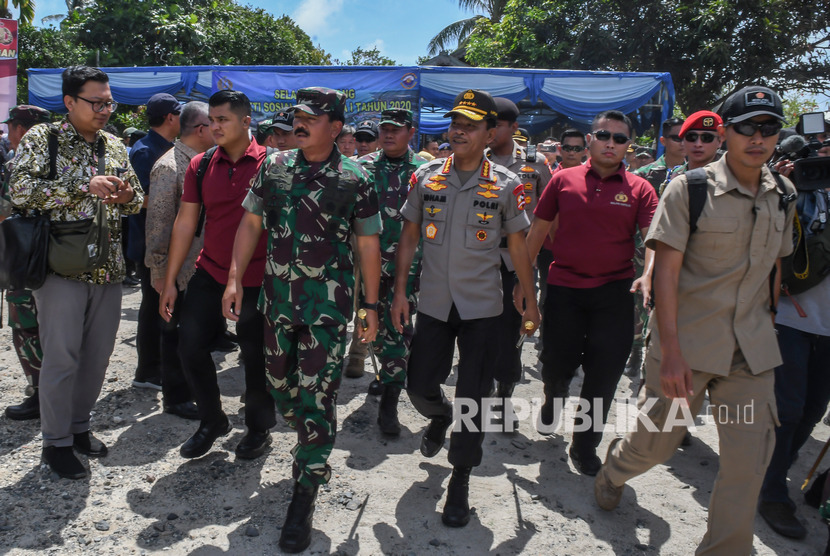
[{"x": 802, "y": 381}]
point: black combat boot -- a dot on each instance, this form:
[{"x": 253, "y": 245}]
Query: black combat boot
[
  {"x": 457, "y": 508},
  {"x": 296, "y": 531},
  {"x": 388, "y": 411},
  {"x": 25, "y": 410}
]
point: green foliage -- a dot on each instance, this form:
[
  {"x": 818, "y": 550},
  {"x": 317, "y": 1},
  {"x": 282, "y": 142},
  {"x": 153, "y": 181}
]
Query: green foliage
[
  {"x": 368, "y": 57},
  {"x": 796, "y": 104},
  {"x": 458, "y": 32},
  {"x": 26, "y": 8},
  {"x": 710, "y": 47},
  {"x": 130, "y": 116},
  {"x": 44, "y": 48}
]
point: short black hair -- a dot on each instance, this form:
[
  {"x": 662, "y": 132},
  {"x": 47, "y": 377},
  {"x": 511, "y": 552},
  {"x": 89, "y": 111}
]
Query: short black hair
[
  {"x": 75, "y": 77},
  {"x": 670, "y": 123},
  {"x": 347, "y": 130},
  {"x": 156, "y": 121},
  {"x": 613, "y": 115},
  {"x": 239, "y": 102},
  {"x": 572, "y": 133}
]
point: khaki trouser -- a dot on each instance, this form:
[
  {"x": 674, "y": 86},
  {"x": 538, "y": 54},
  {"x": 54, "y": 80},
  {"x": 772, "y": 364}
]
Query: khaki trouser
[{"x": 745, "y": 413}]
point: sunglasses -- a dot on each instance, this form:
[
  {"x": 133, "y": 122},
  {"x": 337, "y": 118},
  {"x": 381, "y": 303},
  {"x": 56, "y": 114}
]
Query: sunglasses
[
  {"x": 693, "y": 136},
  {"x": 576, "y": 148},
  {"x": 675, "y": 138},
  {"x": 748, "y": 129},
  {"x": 619, "y": 138}
]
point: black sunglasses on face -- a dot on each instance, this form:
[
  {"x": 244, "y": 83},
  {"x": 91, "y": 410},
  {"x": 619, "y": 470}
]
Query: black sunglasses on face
[
  {"x": 619, "y": 138},
  {"x": 748, "y": 129},
  {"x": 572, "y": 148},
  {"x": 675, "y": 138},
  {"x": 693, "y": 136}
]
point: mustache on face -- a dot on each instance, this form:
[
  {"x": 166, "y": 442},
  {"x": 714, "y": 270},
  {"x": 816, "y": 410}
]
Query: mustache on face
[{"x": 301, "y": 131}]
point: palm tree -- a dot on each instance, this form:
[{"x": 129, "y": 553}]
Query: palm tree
[
  {"x": 71, "y": 6},
  {"x": 460, "y": 31},
  {"x": 26, "y": 7}
]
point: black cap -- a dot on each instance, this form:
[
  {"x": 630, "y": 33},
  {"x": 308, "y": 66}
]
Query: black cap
[
  {"x": 162, "y": 104},
  {"x": 507, "y": 109},
  {"x": 367, "y": 127},
  {"x": 750, "y": 102},
  {"x": 474, "y": 104},
  {"x": 283, "y": 120}
]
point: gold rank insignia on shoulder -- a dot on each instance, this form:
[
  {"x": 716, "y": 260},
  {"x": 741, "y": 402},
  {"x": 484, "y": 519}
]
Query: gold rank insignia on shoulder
[
  {"x": 431, "y": 230},
  {"x": 445, "y": 169},
  {"x": 484, "y": 217},
  {"x": 432, "y": 211},
  {"x": 435, "y": 185}
]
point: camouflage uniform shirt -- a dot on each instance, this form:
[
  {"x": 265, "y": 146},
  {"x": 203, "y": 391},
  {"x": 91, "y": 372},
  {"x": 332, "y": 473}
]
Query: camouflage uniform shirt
[
  {"x": 67, "y": 197},
  {"x": 309, "y": 210},
  {"x": 392, "y": 184}
]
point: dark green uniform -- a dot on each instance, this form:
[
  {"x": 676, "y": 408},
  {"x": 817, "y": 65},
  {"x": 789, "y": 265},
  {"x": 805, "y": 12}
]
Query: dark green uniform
[
  {"x": 310, "y": 210},
  {"x": 392, "y": 184}
]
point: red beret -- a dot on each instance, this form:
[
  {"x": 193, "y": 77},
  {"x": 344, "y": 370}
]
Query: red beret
[{"x": 701, "y": 121}]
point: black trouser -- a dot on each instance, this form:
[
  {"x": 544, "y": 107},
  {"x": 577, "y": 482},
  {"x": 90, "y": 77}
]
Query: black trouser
[
  {"x": 148, "y": 333},
  {"x": 592, "y": 327},
  {"x": 174, "y": 386},
  {"x": 509, "y": 361},
  {"x": 201, "y": 321},
  {"x": 430, "y": 364}
]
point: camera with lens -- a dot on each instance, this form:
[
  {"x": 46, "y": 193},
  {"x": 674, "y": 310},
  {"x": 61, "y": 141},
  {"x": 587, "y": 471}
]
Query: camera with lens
[{"x": 810, "y": 171}]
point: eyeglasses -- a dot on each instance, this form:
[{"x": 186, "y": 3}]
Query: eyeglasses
[
  {"x": 693, "y": 136},
  {"x": 619, "y": 138},
  {"x": 573, "y": 148},
  {"x": 365, "y": 139},
  {"x": 100, "y": 106},
  {"x": 675, "y": 138},
  {"x": 748, "y": 129}
]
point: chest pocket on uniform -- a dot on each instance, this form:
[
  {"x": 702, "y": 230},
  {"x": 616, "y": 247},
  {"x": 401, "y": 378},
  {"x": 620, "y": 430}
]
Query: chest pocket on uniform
[
  {"x": 434, "y": 222},
  {"x": 719, "y": 240},
  {"x": 337, "y": 203},
  {"x": 483, "y": 229},
  {"x": 276, "y": 186}
]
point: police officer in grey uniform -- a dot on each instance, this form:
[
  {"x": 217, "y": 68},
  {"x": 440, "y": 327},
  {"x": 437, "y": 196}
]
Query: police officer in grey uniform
[
  {"x": 504, "y": 151},
  {"x": 462, "y": 206}
]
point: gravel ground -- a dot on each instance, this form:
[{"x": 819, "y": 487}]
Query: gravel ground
[{"x": 384, "y": 497}]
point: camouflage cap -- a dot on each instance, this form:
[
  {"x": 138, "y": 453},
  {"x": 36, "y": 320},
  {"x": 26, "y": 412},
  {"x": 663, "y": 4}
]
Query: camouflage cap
[
  {"x": 321, "y": 100},
  {"x": 396, "y": 116},
  {"x": 29, "y": 115},
  {"x": 283, "y": 120},
  {"x": 474, "y": 104}
]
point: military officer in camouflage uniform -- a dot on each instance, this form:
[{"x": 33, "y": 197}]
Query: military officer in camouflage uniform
[
  {"x": 656, "y": 173},
  {"x": 504, "y": 150},
  {"x": 309, "y": 201},
  {"x": 22, "y": 309},
  {"x": 462, "y": 206},
  {"x": 392, "y": 166}
]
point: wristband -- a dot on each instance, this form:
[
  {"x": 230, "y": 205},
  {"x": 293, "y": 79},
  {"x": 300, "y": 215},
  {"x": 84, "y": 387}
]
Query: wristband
[{"x": 372, "y": 306}]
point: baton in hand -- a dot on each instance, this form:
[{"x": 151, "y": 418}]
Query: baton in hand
[
  {"x": 361, "y": 315},
  {"x": 525, "y": 334}
]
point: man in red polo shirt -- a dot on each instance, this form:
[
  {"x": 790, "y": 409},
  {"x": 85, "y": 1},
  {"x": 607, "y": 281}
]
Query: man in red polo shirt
[
  {"x": 226, "y": 182},
  {"x": 589, "y": 309}
]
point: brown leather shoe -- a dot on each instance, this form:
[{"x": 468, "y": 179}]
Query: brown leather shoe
[{"x": 607, "y": 494}]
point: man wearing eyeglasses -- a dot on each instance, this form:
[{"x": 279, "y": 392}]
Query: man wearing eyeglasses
[
  {"x": 571, "y": 149},
  {"x": 366, "y": 137},
  {"x": 163, "y": 114},
  {"x": 712, "y": 330},
  {"x": 78, "y": 315},
  {"x": 674, "y": 155},
  {"x": 589, "y": 309}
]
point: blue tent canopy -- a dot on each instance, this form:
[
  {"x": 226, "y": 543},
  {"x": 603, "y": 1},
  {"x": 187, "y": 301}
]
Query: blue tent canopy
[{"x": 545, "y": 96}]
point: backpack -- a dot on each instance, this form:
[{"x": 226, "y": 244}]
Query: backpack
[{"x": 809, "y": 262}]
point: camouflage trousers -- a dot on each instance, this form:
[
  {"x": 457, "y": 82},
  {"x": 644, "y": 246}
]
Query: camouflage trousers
[
  {"x": 640, "y": 312},
  {"x": 25, "y": 336},
  {"x": 304, "y": 365},
  {"x": 391, "y": 349}
]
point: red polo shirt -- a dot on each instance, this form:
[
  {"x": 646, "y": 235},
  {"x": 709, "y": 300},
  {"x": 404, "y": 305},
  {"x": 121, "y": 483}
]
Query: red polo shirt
[
  {"x": 224, "y": 187},
  {"x": 594, "y": 243}
]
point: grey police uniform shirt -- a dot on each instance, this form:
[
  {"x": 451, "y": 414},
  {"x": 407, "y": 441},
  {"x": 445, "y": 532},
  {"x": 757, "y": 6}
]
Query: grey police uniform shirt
[
  {"x": 462, "y": 226},
  {"x": 534, "y": 176}
]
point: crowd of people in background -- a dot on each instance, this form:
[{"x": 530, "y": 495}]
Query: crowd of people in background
[{"x": 297, "y": 226}]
